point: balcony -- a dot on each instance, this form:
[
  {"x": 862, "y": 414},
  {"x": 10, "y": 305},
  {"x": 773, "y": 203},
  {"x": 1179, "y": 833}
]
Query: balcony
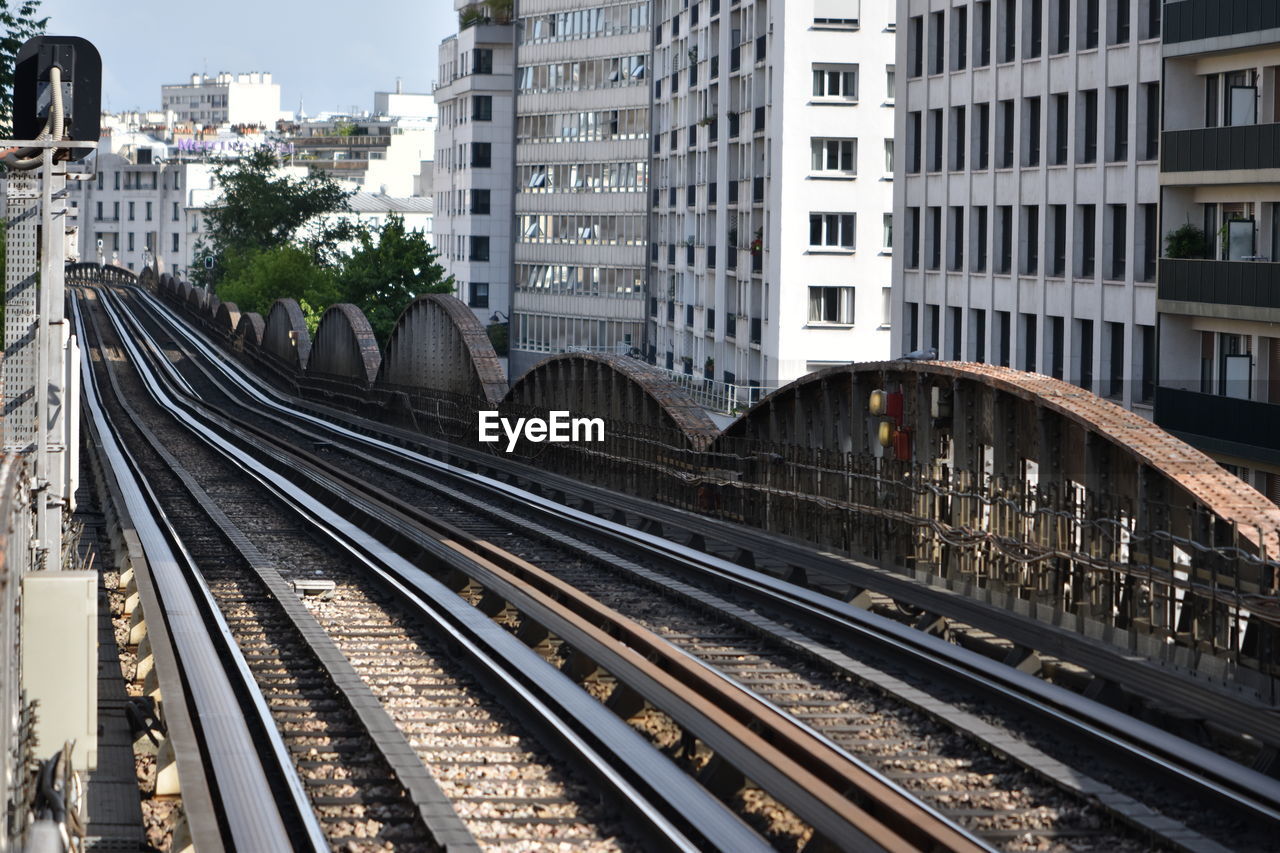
[
  {"x": 1221, "y": 424},
  {"x": 1244, "y": 147},
  {"x": 1192, "y": 20},
  {"x": 1249, "y": 284}
]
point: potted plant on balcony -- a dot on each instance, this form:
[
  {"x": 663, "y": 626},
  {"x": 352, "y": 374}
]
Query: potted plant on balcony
[
  {"x": 709, "y": 369},
  {"x": 1186, "y": 242},
  {"x": 757, "y": 245}
]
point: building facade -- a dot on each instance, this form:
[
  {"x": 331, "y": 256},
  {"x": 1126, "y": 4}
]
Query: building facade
[
  {"x": 1026, "y": 187},
  {"x": 475, "y": 165},
  {"x": 582, "y": 178},
  {"x": 772, "y": 168},
  {"x": 1219, "y": 291},
  {"x": 375, "y": 154},
  {"x": 238, "y": 99}
]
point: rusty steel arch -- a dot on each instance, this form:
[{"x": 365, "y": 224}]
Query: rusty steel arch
[
  {"x": 227, "y": 318},
  {"x": 250, "y": 330},
  {"x": 439, "y": 345},
  {"x": 285, "y": 335},
  {"x": 617, "y": 388},
  {"x": 345, "y": 347}
]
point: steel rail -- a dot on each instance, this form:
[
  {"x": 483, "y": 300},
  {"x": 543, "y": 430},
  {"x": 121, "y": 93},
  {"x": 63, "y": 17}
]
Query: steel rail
[
  {"x": 672, "y": 804},
  {"x": 1247, "y": 790},
  {"x": 789, "y": 760},
  {"x": 224, "y": 704}
]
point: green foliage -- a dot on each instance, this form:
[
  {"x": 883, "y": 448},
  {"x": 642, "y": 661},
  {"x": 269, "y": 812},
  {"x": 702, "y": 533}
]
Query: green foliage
[
  {"x": 387, "y": 270},
  {"x": 1187, "y": 242},
  {"x": 472, "y": 15},
  {"x": 255, "y": 278},
  {"x": 263, "y": 210},
  {"x": 344, "y": 129},
  {"x": 18, "y": 22},
  {"x": 499, "y": 334}
]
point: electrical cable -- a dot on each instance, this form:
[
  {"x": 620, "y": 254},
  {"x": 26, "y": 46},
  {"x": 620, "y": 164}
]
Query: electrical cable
[{"x": 26, "y": 159}]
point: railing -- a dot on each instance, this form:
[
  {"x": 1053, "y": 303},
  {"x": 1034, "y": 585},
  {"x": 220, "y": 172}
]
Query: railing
[
  {"x": 1190, "y": 20},
  {"x": 719, "y": 397},
  {"x": 1247, "y": 146},
  {"x": 1226, "y": 419},
  {"x": 1250, "y": 284}
]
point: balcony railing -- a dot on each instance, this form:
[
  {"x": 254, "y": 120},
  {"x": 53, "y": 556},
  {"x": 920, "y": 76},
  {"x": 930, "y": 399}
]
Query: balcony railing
[
  {"x": 1245, "y": 283},
  {"x": 1246, "y": 146},
  {"x": 1221, "y": 419},
  {"x": 1190, "y": 20}
]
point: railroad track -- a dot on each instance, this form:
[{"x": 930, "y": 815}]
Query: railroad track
[
  {"x": 802, "y": 768},
  {"x": 1009, "y": 817},
  {"x": 478, "y": 507}
]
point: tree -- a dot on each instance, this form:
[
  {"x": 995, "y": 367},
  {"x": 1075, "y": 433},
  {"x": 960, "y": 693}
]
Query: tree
[
  {"x": 387, "y": 270},
  {"x": 255, "y": 278},
  {"x": 262, "y": 209},
  {"x": 18, "y": 23}
]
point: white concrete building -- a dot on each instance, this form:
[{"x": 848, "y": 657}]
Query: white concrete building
[
  {"x": 404, "y": 104},
  {"x": 238, "y": 99},
  {"x": 1219, "y": 291},
  {"x": 375, "y": 154},
  {"x": 1026, "y": 187},
  {"x": 772, "y": 239},
  {"x": 582, "y": 190},
  {"x": 475, "y": 165}
]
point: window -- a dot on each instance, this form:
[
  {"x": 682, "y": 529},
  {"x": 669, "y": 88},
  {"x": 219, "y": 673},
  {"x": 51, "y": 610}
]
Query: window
[
  {"x": 1029, "y": 343},
  {"x": 1032, "y": 107},
  {"x": 478, "y": 294},
  {"x": 1151, "y": 137},
  {"x": 836, "y": 81},
  {"x": 958, "y": 139},
  {"x": 481, "y": 155},
  {"x": 888, "y": 156},
  {"x": 914, "y": 142},
  {"x": 175, "y": 242},
  {"x": 824, "y": 12},
  {"x": 1062, "y": 27},
  {"x": 1089, "y": 24},
  {"x": 175, "y": 211},
  {"x": 1061, "y": 130},
  {"x": 1119, "y": 240},
  {"x": 1058, "y": 214},
  {"x": 1120, "y": 26},
  {"x": 1084, "y": 331},
  {"x": 959, "y": 38},
  {"x": 1147, "y": 368},
  {"x": 1030, "y": 239},
  {"x": 982, "y": 34},
  {"x": 130, "y": 241},
  {"x": 1114, "y": 339},
  {"x": 978, "y": 333},
  {"x": 99, "y": 213},
  {"x": 1005, "y": 160},
  {"x": 1003, "y": 336},
  {"x": 978, "y": 216},
  {"x": 1120, "y": 123},
  {"x": 912, "y": 260},
  {"x": 482, "y": 108},
  {"x": 937, "y": 43},
  {"x": 831, "y": 305},
  {"x": 482, "y": 61},
  {"x": 1034, "y": 17},
  {"x": 1057, "y": 347},
  {"x": 955, "y": 316},
  {"x": 1009, "y": 30},
  {"x": 915, "y": 47},
  {"x": 479, "y": 249},
  {"x": 1150, "y": 242},
  {"x": 888, "y": 232},
  {"x": 886, "y": 318},
  {"x": 1088, "y": 123},
  {"x": 933, "y": 237},
  {"x": 834, "y": 230},
  {"x": 955, "y": 240},
  {"x": 982, "y": 137},
  {"x": 480, "y": 202},
  {"x": 131, "y": 207},
  {"x": 935, "y": 140},
  {"x": 1004, "y": 220},
  {"x": 834, "y": 155},
  {"x": 1088, "y": 240},
  {"x": 889, "y": 82},
  {"x": 148, "y": 211}
]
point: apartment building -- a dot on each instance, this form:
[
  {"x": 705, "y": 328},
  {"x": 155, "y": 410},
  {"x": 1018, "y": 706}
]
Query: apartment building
[
  {"x": 1219, "y": 291},
  {"x": 1028, "y": 186},
  {"x": 772, "y": 162},
  {"x": 582, "y": 177},
  {"x": 365, "y": 153},
  {"x": 240, "y": 99},
  {"x": 475, "y": 164}
]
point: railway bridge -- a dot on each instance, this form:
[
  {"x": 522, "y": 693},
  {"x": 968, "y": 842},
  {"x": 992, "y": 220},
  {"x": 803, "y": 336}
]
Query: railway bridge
[{"x": 903, "y": 605}]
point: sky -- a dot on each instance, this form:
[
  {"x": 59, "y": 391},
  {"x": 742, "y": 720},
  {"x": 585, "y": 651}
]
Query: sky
[{"x": 333, "y": 55}]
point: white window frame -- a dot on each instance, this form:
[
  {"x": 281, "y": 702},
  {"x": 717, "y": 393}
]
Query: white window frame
[
  {"x": 838, "y": 232},
  {"x": 838, "y": 77},
  {"x": 822, "y": 150},
  {"x": 826, "y": 300}
]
